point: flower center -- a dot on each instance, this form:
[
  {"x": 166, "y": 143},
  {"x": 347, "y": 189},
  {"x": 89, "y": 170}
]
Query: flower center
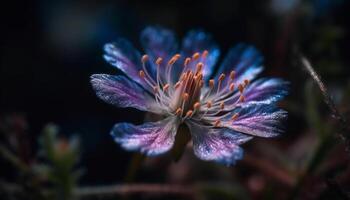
[{"x": 185, "y": 98}]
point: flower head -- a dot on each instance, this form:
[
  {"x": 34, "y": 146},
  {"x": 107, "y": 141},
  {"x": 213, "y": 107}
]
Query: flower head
[{"x": 223, "y": 107}]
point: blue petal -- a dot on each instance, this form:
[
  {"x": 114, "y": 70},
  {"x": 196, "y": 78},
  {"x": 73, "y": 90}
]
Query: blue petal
[
  {"x": 263, "y": 120},
  {"x": 217, "y": 144},
  {"x": 152, "y": 138},
  {"x": 159, "y": 42},
  {"x": 121, "y": 92},
  {"x": 245, "y": 60},
  {"x": 125, "y": 57},
  {"x": 198, "y": 41}
]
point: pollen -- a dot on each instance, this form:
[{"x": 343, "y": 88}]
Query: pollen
[
  {"x": 144, "y": 58},
  {"x": 174, "y": 59},
  {"x": 246, "y": 82},
  {"x": 199, "y": 67},
  {"x": 142, "y": 74}
]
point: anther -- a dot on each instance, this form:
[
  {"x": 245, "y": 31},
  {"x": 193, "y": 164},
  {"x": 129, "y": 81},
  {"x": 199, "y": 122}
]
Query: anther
[
  {"x": 232, "y": 75},
  {"x": 209, "y": 104},
  {"x": 217, "y": 123},
  {"x": 189, "y": 113},
  {"x": 174, "y": 59},
  {"x": 159, "y": 61},
  {"x": 195, "y": 56},
  {"x": 240, "y": 88},
  {"x": 166, "y": 87},
  {"x": 201, "y": 83},
  {"x": 199, "y": 67},
  {"x": 205, "y": 54},
  {"x": 177, "y": 84},
  {"x": 211, "y": 83},
  {"x": 185, "y": 96},
  {"x": 144, "y": 58},
  {"x": 178, "y": 111},
  {"x": 232, "y": 87},
  {"x": 196, "y": 106},
  {"x": 221, "y": 77},
  {"x": 246, "y": 82},
  {"x": 234, "y": 117},
  {"x": 142, "y": 74},
  {"x": 187, "y": 61},
  {"x": 222, "y": 105},
  {"x": 241, "y": 98}
]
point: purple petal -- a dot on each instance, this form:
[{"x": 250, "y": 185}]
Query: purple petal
[
  {"x": 198, "y": 41},
  {"x": 263, "y": 120},
  {"x": 267, "y": 90},
  {"x": 125, "y": 57},
  {"x": 217, "y": 144},
  {"x": 152, "y": 138},
  {"x": 121, "y": 92},
  {"x": 244, "y": 60}
]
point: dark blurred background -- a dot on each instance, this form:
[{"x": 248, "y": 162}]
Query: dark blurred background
[{"x": 50, "y": 49}]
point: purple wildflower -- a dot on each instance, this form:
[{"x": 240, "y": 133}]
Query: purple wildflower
[{"x": 221, "y": 113}]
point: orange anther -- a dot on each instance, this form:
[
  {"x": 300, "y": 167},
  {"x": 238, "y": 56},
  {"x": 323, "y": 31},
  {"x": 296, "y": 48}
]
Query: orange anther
[
  {"x": 232, "y": 87},
  {"x": 241, "y": 98},
  {"x": 195, "y": 56},
  {"x": 199, "y": 66},
  {"x": 240, "y": 88},
  {"x": 209, "y": 104},
  {"x": 246, "y": 82},
  {"x": 159, "y": 61},
  {"x": 234, "y": 117},
  {"x": 189, "y": 113},
  {"x": 217, "y": 123},
  {"x": 185, "y": 96},
  {"x": 177, "y": 85},
  {"x": 187, "y": 61},
  {"x": 144, "y": 58},
  {"x": 205, "y": 54},
  {"x": 166, "y": 87},
  {"x": 222, "y": 105},
  {"x": 221, "y": 77},
  {"x": 232, "y": 74},
  {"x": 196, "y": 106},
  {"x": 211, "y": 83},
  {"x": 178, "y": 111},
  {"x": 142, "y": 74}
]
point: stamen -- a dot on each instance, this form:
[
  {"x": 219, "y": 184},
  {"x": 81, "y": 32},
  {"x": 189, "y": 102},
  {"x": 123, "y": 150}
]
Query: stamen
[
  {"x": 159, "y": 61},
  {"x": 174, "y": 59},
  {"x": 211, "y": 83},
  {"x": 178, "y": 111},
  {"x": 185, "y": 96},
  {"x": 246, "y": 82},
  {"x": 221, "y": 77},
  {"x": 232, "y": 75},
  {"x": 144, "y": 58},
  {"x": 199, "y": 67},
  {"x": 222, "y": 105},
  {"x": 177, "y": 85},
  {"x": 234, "y": 117},
  {"x": 189, "y": 113},
  {"x": 209, "y": 104},
  {"x": 196, "y": 56},
  {"x": 232, "y": 87},
  {"x": 205, "y": 54},
  {"x": 240, "y": 88},
  {"x": 187, "y": 61},
  {"x": 196, "y": 106},
  {"x": 241, "y": 98},
  {"x": 201, "y": 83},
  {"x": 217, "y": 123},
  {"x": 166, "y": 87},
  {"x": 142, "y": 74}
]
